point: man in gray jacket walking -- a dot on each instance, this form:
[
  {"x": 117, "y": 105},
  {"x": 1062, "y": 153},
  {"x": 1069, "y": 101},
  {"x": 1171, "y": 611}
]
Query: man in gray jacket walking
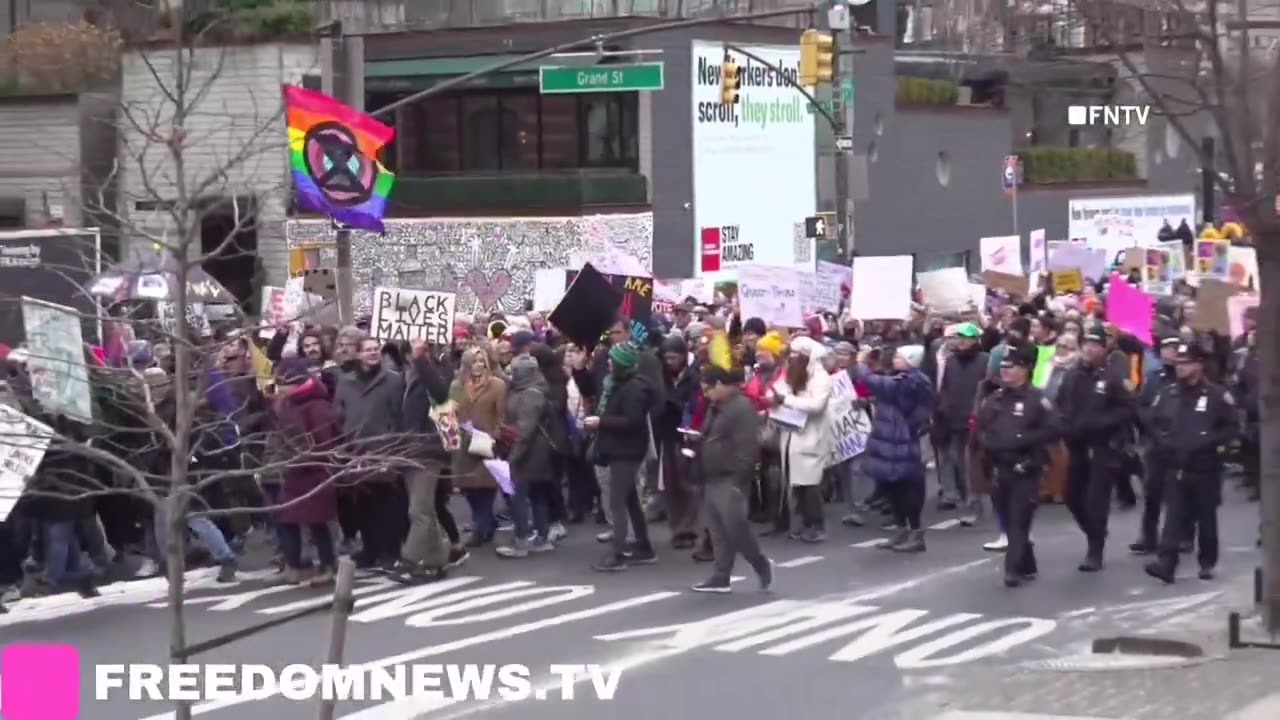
[{"x": 727, "y": 450}]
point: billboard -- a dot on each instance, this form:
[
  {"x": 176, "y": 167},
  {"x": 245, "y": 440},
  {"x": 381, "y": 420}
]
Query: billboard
[
  {"x": 754, "y": 163},
  {"x": 49, "y": 265},
  {"x": 1115, "y": 224}
]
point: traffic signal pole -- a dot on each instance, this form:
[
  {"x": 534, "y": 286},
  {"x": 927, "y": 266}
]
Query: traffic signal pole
[{"x": 843, "y": 111}]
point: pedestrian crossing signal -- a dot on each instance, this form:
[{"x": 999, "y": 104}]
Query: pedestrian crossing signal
[{"x": 730, "y": 81}]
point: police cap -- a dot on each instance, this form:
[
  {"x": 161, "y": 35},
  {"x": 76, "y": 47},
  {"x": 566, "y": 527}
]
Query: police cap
[
  {"x": 1023, "y": 356},
  {"x": 1191, "y": 353}
]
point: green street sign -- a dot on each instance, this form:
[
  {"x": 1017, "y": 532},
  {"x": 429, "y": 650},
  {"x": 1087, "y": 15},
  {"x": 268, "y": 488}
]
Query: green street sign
[
  {"x": 601, "y": 78},
  {"x": 846, "y": 90}
]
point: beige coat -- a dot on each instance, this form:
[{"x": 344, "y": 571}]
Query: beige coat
[{"x": 485, "y": 408}]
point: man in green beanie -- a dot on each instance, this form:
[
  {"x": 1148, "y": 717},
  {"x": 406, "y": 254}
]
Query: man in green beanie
[{"x": 622, "y": 441}]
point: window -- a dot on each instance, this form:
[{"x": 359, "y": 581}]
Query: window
[{"x": 519, "y": 130}]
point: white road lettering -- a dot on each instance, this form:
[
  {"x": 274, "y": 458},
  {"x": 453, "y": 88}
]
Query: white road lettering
[
  {"x": 818, "y": 615},
  {"x": 369, "y": 589},
  {"x": 883, "y": 628},
  {"x": 922, "y": 656},
  {"x": 891, "y": 631},
  {"x": 438, "y": 616},
  {"x": 700, "y": 633},
  {"x": 416, "y": 599},
  {"x": 412, "y": 656}
]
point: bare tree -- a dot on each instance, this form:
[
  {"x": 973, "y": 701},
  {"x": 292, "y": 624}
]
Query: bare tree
[{"x": 136, "y": 443}]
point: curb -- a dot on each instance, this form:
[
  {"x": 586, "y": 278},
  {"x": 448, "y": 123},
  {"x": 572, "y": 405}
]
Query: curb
[
  {"x": 1268, "y": 708},
  {"x": 1147, "y": 646}
]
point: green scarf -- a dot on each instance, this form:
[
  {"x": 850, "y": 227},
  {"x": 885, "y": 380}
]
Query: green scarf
[{"x": 605, "y": 391}]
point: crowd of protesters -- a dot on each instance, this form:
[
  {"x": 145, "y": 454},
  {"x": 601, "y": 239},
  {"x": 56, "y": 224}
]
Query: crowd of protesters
[{"x": 620, "y": 436}]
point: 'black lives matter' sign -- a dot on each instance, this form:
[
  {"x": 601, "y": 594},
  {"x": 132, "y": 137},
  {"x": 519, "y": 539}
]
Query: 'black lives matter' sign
[{"x": 400, "y": 314}]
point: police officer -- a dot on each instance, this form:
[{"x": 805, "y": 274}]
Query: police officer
[
  {"x": 1097, "y": 407},
  {"x": 1157, "y": 465},
  {"x": 1016, "y": 424},
  {"x": 1193, "y": 420}
]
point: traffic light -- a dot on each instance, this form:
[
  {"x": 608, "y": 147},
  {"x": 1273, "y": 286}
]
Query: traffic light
[
  {"x": 730, "y": 81},
  {"x": 816, "y": 55}
]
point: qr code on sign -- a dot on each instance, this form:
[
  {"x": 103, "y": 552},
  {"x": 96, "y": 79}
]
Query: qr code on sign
[{"x": 801, "y": 246}]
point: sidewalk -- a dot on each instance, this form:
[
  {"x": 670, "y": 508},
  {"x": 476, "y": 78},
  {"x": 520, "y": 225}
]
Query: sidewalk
[{"x": 1224, "y": 685}]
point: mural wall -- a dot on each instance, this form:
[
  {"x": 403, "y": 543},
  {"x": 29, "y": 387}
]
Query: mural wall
[{"x": 489, "y": 262}]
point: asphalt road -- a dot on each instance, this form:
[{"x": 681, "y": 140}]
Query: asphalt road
[{"x": 846, "y": 628}]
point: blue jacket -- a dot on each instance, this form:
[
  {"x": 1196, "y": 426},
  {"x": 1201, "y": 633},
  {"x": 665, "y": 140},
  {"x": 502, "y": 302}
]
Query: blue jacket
[{"x": 903, "y": 402}]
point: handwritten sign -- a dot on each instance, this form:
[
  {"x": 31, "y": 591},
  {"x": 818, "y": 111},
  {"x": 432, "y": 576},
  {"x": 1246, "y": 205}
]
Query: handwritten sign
[
  {"x": 59, "y": 376},
  {"x": 1157, "y": 271},
  {"x": 772, "y": 294},
  {"x": 848, "y": 419},
  {"x": 1002, "y": 254},
  {"x": 400, "y": 314},
  {"x": 1067, "y": 281},
  {"x": 829, "y": 283},
  {"x": 1014, "y": 285},
  {"x": 637, "y": 301},
  {"x": 272, "y": 311},
  {"x": 23, "y": 442}
]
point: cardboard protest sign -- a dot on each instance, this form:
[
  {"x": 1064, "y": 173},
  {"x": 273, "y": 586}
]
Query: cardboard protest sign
[
  {"x": 1067, "y": 281},
  {"x": 1211, "y": 306},
  {"x": 320, "y": 281},
  {"x": 772, "y": 294},
  {"x": 400, "y": 314},
  {"x": 23, "y": 442},
  {"x": 588, "y": 308},
  {"x": 1134, "y": 258},
  {"x": 1014, "y": 285}
]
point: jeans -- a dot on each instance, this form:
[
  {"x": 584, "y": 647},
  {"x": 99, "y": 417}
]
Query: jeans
[
  {"x": 529, "y": 506},
  {"x": 444, "y": 492},
  {"x": 290, "y": 537},
  {"x": 858, "y": 486},
  {"x": 61, "y": 552},
  {"x": 951, "y": 467},
  {"x": 202, "y": 527},
  {"x": 624, "y": 500},
  {"x": 483, "y": 521},
  {"x": 425, "y": 542},
  {"x": 725, "y": 508}
]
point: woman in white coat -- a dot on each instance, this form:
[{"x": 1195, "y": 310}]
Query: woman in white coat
[{"x": 800, "y": 398}]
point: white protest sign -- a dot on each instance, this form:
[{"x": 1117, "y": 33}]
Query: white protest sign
[
  {"x": 400, "y": 314},
  {"x": 1039, "y": 252},
  {"x": 850, "y": 424},
  {"x": 945, "y": 290},
  {"x": 59, "y": 375},
  {"x": 272, "y": 311},
  {"x": 828, "y": 278},
  {"x": 548, "y": 288},
  {"x": 881, "y": 287},
  {"x": 773, "y": 294},
  {"x": 23, "y": 442},
  {"x": 1002, "y": 254}
]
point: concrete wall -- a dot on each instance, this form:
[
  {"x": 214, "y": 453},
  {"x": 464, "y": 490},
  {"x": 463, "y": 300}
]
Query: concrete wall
[{"x": 236, "y": 135}]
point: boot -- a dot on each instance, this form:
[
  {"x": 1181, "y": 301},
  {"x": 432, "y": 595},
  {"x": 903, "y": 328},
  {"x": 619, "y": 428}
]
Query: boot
[
  {"x": 1028, "y": 569},
  {"x": 898, "y": 539},
  {"x": 913, "y": 544},
  {"x": 1092, "y": 560}
]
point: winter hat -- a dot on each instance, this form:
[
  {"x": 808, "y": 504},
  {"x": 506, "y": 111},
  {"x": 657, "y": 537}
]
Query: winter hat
[
  {"x": 520, "y": 340},
  {"x": 675, "y": 344},
  {"x": 911, "y": 354},
  {"x": 813, "y": 324},
  {"x": 755, "y": 326},
  {"x": 624, "y": 355},
  {"x": 966, "y": 330},
  {"x": 771, "y": 343},
  {"x": 293, "y": 371}
]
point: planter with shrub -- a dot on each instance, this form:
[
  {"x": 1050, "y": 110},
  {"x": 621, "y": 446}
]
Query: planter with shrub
[{"x": 1076, "y": 165}]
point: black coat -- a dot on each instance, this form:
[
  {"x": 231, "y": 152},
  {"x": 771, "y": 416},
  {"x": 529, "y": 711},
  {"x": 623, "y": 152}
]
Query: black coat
[
  {"x": 425, "y": 388},
  {"x": 624, "y": 422}
]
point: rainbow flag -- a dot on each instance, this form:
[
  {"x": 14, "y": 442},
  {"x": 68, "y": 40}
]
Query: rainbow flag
[{"x": 333, "y": 151}]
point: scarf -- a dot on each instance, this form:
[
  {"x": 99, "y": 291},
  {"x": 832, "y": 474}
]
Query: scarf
[{"x": 605, "y": 391}]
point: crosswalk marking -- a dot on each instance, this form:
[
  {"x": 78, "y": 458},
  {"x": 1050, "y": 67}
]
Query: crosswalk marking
[
  {"x": 799, "y": 562},
  {"x": 945, "y": 524},
  {"x": 991, "y": 715},
  {"x": 869, "y": 543}
]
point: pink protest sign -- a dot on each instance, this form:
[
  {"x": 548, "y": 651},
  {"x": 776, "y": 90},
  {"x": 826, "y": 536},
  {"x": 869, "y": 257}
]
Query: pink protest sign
[{"x": 1129, "y": 309}]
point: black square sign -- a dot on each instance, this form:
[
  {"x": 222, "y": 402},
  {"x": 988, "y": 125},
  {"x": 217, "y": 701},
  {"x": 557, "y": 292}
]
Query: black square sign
[{"x": 815, "y": 227}]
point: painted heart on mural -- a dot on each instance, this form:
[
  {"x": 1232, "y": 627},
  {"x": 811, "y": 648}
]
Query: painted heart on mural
[{"x": 489, "y": 289}]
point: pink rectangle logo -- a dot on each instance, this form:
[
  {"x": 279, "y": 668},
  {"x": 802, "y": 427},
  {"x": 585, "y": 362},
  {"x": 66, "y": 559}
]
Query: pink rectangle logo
[{"x": 39, "y": 682}]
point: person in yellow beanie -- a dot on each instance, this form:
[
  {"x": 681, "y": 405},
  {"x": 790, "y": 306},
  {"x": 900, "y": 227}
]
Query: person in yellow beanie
[{"x": 771, "y": 343}]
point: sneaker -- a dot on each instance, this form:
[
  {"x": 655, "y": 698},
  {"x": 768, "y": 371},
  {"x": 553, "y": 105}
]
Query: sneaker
[
  {"x": 913, "y": 544},
  {"x": 1159, "y": 571},
  {"x": 558, "y": 532},
  {"x": 813, "y": 536},
  {"x": 703, "y": 555},
  {"x": 1141, "y": 548},
  {"x": 541, "y": 545},
  {"x": 795, "y": 534},
  {"x": 512, "y": 551},
  {"x": 295, "y": 576},
  {"x": 1000, "y": 544},
  {"x": 890, "y": 526},
  {"x": 714, "y": 585},
  {"x": 947, "y": 505},
  {"x": 611, "y": 562},
  {"x": 1093, "y": 563},
  {"x": 1205, "y": 573},
  {"x": 227, "y": 571},
  {"x": 766, "y": 577},
  {"x": 322, "y": 578},
  {"x": 604, "y": 537},
  {"x": 853, "y": 519},
  {"x": 970, "y": 520},
  {"x": 87, "y": 588},
  {"x": 457, "y": 556},
  {"x": 147, "y": 569},
  {"x": 896, "y": 540},
  {"x": 640, "y": 555}
]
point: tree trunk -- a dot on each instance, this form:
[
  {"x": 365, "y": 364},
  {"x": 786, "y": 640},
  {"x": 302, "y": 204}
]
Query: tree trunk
[
  {"x": 175, "y": 562},
  {"x": 1268, "y": 246}
]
